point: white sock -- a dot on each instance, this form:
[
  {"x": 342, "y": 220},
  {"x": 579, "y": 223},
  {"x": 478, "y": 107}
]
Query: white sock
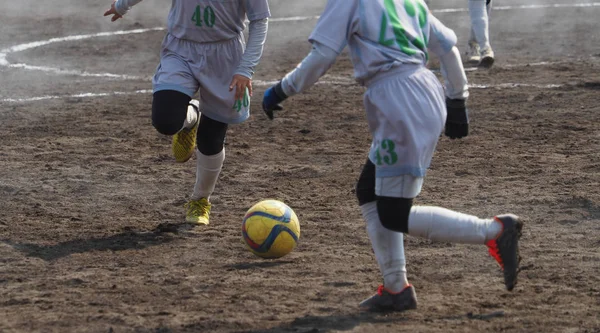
[
  {"x": 191, "y": 117},
  {"x": 444, "y": 225},
  {"x": 208, "y": 169},
  {"x": 480, "y": 22},
  {"x": 388, "y": 246}
]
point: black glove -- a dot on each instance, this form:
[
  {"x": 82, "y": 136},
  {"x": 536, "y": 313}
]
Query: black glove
[
  {"x": 457, "y": 122},
  {"x": 272, "y": 100}
]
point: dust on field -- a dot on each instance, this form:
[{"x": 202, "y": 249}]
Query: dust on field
[{"x": 92, "y": 237}]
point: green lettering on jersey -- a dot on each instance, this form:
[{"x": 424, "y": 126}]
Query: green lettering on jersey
[
  {"x": 390, "y": 16},
  {"x": 208, "y": 15}
]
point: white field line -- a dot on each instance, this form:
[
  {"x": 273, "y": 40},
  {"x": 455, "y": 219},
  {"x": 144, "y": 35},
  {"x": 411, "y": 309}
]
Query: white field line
[
  {"x": 258, "y": 83},
  {"x": 27, "y": 46}
]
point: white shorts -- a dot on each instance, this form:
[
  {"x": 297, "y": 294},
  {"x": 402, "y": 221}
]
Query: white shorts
[
  {"x": 189, "y": 67},
  {"x": 405, "y": 186},
  {"x": 406, "y": 112}
]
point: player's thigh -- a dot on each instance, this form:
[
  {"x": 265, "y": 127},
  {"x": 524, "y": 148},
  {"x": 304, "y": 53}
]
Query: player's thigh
[
  {"x": 174, "y": 73},
  {"x": 217, "y": 100},
  {"x": 406, "y": 117}
]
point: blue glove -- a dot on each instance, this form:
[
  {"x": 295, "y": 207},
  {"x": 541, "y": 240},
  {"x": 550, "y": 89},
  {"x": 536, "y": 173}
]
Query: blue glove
[
  {"x": 272, "y": 100},
  {"x": 457, "y": 122}
]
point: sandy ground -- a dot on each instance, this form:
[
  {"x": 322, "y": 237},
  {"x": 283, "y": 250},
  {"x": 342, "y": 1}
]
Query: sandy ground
[{"x": 92, "y": 237}]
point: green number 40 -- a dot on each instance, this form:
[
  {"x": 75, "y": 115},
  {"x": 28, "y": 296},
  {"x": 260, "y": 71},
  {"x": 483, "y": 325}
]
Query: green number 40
[{"x": 207, "y": 16}]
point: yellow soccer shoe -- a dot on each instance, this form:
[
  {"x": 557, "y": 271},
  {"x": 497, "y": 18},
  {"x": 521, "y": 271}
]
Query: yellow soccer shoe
[
  {"x": 198, "y": 211},
  {"x": 184, "y": 142}
]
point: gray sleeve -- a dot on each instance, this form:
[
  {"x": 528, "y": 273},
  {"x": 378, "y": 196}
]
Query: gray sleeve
[
  {"x": 308, "y": 72},
  {"x": 455, "y": 79},
  {"x": 257, "y": 36},
  {"x": 123, "y": 6},
  {"x": 441, "y": 38}
]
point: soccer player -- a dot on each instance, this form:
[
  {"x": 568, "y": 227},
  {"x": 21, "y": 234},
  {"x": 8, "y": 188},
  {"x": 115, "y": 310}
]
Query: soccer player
[
  {"x": 407, "y": 109},
  {"x": 480, "y": 51},
  {"x": 204, "y": 50}
]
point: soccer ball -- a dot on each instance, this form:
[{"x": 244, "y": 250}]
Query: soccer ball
[{"x": 270, "y": 229}]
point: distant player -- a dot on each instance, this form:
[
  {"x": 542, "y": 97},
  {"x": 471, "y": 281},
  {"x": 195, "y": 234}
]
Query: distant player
[
  {"x": 406, "y": 110},
  {"x": 480, "y": 51},
  {"x": 204, "y": 50}
]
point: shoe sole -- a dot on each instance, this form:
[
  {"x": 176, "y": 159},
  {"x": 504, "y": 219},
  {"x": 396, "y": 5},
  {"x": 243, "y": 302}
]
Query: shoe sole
[
  {"x": 408, "y": 303},
  {"x": 510, "y": 240},
  {"x": 474, "y": 60},
  {"x": 487, "y": 62},
  {"x": 187, "y": 158}
]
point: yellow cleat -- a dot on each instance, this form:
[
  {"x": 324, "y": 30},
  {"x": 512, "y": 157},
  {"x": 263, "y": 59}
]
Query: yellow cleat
[
  {"x": 184, "y": 142},
  {"x": 198, "y": 211}
]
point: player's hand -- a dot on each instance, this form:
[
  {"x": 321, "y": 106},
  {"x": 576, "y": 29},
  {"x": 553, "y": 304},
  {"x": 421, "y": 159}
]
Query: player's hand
[
  {"x": 457, "y": 122},
  {"x": 272, "y": 100},
  {"x": 240, "y": 83},
  {"x": 113, "y": 11}
]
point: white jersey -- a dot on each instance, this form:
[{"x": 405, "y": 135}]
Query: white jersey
[
  {"x": 382, "y": 34},
  {"x": 209, "y": 21}
]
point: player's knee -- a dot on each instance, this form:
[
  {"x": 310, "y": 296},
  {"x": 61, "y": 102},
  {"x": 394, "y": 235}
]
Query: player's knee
[
  {"x": 365, "y": 187},
  {"x": 394, "y": 213},
  {"x": 169, "y": 108},
  {"x": 211, "y": 136}
]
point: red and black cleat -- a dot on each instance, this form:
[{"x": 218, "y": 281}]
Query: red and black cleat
[
  {"x": 505, "y": 248},
  {"x": 385, "y": 301}
]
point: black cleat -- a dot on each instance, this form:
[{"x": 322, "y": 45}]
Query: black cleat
[
  {"x": 385, "y": 301},
  {"x": 505, "y": 248}
]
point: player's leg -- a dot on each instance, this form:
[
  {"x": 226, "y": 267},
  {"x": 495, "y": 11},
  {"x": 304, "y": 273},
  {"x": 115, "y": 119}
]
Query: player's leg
[
  {"x": 478, "y": 11},
  {"x": 473, "y": 52},
  {"x": 210, "y": 156},
  {"x": 500, "y": 233},
  {"x": 218, "y": 108},
  {"x": 173, "y": 111},
  {"x": 396, "y": 294}
]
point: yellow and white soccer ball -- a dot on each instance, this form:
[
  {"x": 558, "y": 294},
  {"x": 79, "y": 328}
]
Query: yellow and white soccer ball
[{"x": 270, "y": 229}]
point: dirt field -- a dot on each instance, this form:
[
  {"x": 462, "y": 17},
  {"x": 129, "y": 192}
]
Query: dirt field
[{"x": 92, "y": 237}]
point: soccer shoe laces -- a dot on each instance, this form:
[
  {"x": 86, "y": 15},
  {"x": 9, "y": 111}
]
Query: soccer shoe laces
[{"x": 198, "y": 207}]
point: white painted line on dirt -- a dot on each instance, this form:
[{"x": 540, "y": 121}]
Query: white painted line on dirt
[
  {"x": 515, "y": 85},
  {"x": 259, "y": 83},
  {"x": 558, "y": 5},
  {"x": 77, "y": 73},
  {"x": 26, "y": 46},
  {"x": 293, "y": 18},
  {"x": 82, "y": 95}
]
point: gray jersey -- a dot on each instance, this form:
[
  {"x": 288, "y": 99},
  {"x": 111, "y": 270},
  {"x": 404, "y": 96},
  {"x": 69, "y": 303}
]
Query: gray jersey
[
  {"x": 382, "y": 34},
  {"x": 207, "y": 21}
]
